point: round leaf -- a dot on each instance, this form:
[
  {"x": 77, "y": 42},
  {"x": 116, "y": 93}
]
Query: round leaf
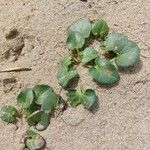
[
  {"x": 75, "y": 40},
  {"x": 89, "y": 99},
  {"x": 25, "y": 98},
  {"x": 81, "y": 26},
  {"x": 127, "y": 51},
  {"x": 88, "y": 54},
  {"x": 34, "y": 141},
  {"x": 114, "y": 42},
  {"x": 128, "y": 56},
  {"x": 66, "y": 72},
  {"x": 104, "y": 72},
  {"x": 74, "y": 97},
  {"x": 7, "y": 113},
  {"x": 100, "y": 28},
  {"x": 38, "y": 118},
  {"x": 49, "y": 101},
  {"x": 40, "y": 89}
]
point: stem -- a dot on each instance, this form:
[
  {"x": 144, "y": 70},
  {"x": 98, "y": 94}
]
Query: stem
[
  {"x": 79, "y": 90},
  {"x": 78, "y": 54}
]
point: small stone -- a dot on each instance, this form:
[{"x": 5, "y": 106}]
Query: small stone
[
  {"x": 74, "y": 116},
  {"x": 22, "y": 146}
]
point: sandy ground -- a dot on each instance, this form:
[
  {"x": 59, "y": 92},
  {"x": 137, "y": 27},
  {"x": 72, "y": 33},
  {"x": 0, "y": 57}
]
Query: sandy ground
[{"x": 122, "y": 121}]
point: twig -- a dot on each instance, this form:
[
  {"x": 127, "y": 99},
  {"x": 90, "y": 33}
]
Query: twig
[{"x": 16, "y": 69}]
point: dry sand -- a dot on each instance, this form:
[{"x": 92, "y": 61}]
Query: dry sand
[{"x": 122, "y": 121}]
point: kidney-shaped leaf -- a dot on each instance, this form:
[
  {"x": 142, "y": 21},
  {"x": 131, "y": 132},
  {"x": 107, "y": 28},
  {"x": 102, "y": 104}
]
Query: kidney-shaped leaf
[
  {"x": 25, "y": 98},
  {"x": 114, "y": 42},
  {"x": 75, "y": 40},
  {"x": 66, "y": 72},
  {"x": 88, "y": 54},
  {"x": 127, "y": 51},
  {"x": 34, "y": 141},
  {"x": 100, "y": 28},
  {"x": 81, "y": 26},
  {"x": 88, "y": 98},
  {"x": 7, "y": 113},
  {"x": 49, "y": 100},
  {"x": 128, "y": 56},
  {"x": 38, "y": 118},
  {"x": 74, "y": 97},
  {"x": 39, "y": 90},
  {"x": 104, "y": 72}
]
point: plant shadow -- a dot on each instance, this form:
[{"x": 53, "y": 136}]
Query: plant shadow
[
  {"x": 132, "y": 69},
  {"x": 95, "y": 107},
  {"x": 108, "y": 86}
]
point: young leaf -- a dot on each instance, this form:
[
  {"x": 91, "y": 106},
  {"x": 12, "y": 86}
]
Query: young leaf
[
  {"x": 39, "y": 89},
  {"x": 81, "y": 26},
  {"x": 88, "y": 97},
  {"x": 66, "y": 72},
  {"x": 75, "y": 40},
  {"x": 100, "y": 28},
  {"x": 28, "y": 111},
  {"x": 114, "y": 42},
  {"x": 49, "y": 101},
  {"x": 34, "y": 141},
  {"x": 31, "y": 134},
  {"x": 7, "y": 113},
  {"x": 128, "y": 56},
  {"x": 88, "y": 54},
  {"x": 25, "y": 98},
  {"x": 38, "y": 118},
  {"x": 104, "y": 72},
  {"x": 74, "y": 97},
  {"x": 126, "y": 50}
]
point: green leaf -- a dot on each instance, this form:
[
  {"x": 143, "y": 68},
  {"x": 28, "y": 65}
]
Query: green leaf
[
  {"x": 66, "y": 72},
  {"x": 88, "y": 97},
  {"x": 128, "y": 56},
  {"x": 39, "y": 90},
  {"x": 8, "y": 113},
  {"x": 31, "y": 134},
  {"x": 127, "y": 51},
  {"x": 104, "y": 72},
  {"x": 28, "y": 111},
  {"x": 100, "y": 28},
  {"x": 75, "y": 40},
  {"x": 88, "y": 54},
  {"x": 81, "y": 26},
  {"x": 34, "y": 141},
  {"x": 38, "y": 118},
  {"x": 113, "y": 42},
  {"x": 49, "y": 100},
  {"x": 25, "y": 98},
  {"x": 74, "y": 97}
]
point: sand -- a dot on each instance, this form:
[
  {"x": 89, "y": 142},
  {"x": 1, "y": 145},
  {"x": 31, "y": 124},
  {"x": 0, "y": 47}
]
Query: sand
[{"x": 122, "y": 119}]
